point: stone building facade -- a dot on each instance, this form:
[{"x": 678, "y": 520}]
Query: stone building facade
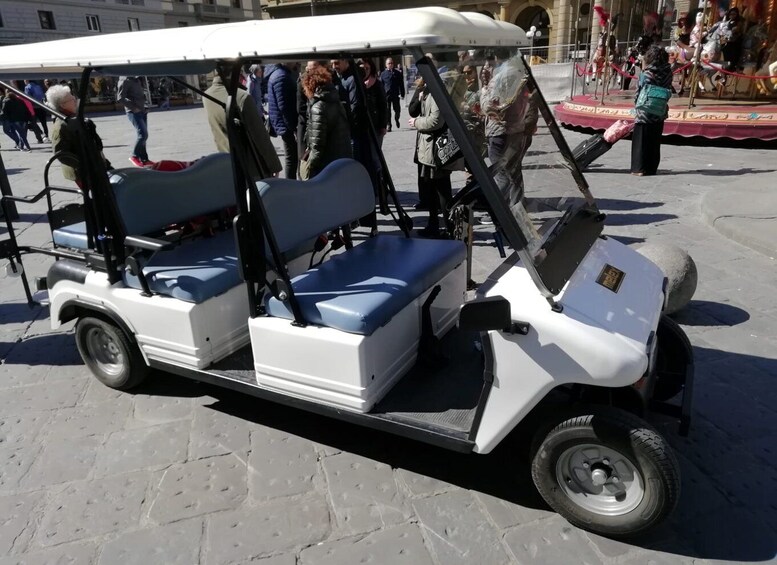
[
  {"x": 562, "y": 23},
  {"x": 27, "y": 21}
]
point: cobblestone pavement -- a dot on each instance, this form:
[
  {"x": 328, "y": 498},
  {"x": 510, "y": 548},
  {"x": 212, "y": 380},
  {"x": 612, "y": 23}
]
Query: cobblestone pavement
[{"x": 180, "y": 472}]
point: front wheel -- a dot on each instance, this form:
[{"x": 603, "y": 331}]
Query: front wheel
[
  {"x": 109, "y": 353},
  {"x": 607, "y": 472}
]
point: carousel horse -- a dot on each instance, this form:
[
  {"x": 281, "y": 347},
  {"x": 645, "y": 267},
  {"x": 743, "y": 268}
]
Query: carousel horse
[
  {"x": 607, "y": 37},
  {"x": 718, "y": 35},
  {"x": 768, "y": 86},
  {"x": 634, "y": 59},
  {"x": 686, "y": 52}
]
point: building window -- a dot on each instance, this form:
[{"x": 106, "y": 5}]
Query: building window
[
  {"x": 1, "y": 20},
  {"x": 46, "y": 19},
  {"x": 92, "y": 23},
  {"x": 133, "y": 24},
  {"x": 236, "y": 4},
  {"x": 183, "y": 24},
  {"x": 208, "y": 2}
]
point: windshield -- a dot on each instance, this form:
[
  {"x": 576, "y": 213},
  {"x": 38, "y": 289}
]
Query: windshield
[{"x": 496, "y": 97}]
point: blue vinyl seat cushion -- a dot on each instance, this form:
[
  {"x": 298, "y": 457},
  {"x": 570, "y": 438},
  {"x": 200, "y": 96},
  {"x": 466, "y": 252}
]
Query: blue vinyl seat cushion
[
  {"x": 194, "y": 271},
  {"x": 362, "y": 289},
  {"x": 73, "y": 236}
]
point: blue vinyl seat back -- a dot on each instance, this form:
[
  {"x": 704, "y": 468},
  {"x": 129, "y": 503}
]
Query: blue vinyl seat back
[
  {"x": 300, "y": 211},
  {"x": 148, "y": 200},
  {"x": 360, "y": 290}
]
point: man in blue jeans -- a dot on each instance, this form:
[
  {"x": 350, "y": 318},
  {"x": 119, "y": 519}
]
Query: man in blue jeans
[{"x": 133, "y": 97}]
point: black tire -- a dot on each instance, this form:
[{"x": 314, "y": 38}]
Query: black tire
[
  {"x": 640, "y": 446},
  {"x": 111, "y": 355}
]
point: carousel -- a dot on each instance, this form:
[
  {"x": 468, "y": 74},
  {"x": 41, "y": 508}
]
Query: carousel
[{"x": 724, "y": 59}]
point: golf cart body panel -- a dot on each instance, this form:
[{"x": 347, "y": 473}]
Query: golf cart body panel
[{"x": 606, "y": 338}]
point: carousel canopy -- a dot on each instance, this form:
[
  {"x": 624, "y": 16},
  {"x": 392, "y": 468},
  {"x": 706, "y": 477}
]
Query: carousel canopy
[{"x": 193, "y": 48}]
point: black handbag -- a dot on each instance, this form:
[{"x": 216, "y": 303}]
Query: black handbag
[{"x": 446, "y": 149}]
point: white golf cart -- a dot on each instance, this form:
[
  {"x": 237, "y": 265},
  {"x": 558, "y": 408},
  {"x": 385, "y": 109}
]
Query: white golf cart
[{"x": 380, "y": 334}]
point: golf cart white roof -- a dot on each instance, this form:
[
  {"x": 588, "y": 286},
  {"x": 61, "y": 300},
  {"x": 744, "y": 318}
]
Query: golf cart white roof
[{"x": 165, "y": 49}]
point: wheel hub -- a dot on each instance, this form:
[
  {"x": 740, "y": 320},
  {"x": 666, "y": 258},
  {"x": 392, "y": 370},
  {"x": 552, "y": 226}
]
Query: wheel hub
[
  {"x": 104, "y": 351},
  {"x": 600, "y": 479}
]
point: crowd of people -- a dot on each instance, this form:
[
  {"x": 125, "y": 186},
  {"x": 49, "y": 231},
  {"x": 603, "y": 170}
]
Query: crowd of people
[
  {"x": 325, "y": 111},
  {"x": 18, "y": 115}
]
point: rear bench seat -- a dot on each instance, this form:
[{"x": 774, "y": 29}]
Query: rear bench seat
[
  {"x": 73, "y": 236},
  {"x": 147, "y": 201},
  {"x": 362, "y": 289}
]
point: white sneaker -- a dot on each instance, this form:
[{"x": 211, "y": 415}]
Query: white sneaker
[{"x": 46, "y": 139}]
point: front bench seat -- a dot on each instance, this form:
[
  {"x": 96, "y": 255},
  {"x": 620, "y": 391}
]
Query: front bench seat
[{"x": 360, "y": 290}]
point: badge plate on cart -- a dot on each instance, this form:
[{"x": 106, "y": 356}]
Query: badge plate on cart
[{"x": 611, "y": 278}]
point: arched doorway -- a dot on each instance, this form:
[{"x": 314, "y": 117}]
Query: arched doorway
[{"x": 535, "y": 16}]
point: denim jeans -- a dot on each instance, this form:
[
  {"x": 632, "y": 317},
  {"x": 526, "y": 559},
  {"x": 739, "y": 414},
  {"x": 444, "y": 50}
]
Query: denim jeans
[
  {"x": 505, "y": 153},
  {"x": 21, "y": 132},
  {"x": 290, "y": 149},
  {"x": 10, "y": 131},
  {"x": 139, "y": 120}
]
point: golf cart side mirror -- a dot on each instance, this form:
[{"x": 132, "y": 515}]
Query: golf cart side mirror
[{"x": 485, "y": 314}]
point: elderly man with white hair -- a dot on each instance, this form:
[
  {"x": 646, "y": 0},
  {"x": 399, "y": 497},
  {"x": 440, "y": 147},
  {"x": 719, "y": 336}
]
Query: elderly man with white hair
[{"x": 60, "y": 98}]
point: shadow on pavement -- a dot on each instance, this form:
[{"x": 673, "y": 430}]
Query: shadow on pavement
[
  {"x": 622, "y": 205},
  {"x": 727, "y": 509},
  {"x": 504, "y": 473},
  {"x": 58, "y": 349},
  {"x": 16, "y": 170},
  {"x": 635, "y": 219},
  {"x": 704, "y": 172},
  {"x": 15, "y": 312},
  {"x": 705, "y": 313},
  {"x": 627, "y": 240}
]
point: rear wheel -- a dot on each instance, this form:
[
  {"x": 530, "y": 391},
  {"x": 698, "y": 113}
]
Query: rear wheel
[
  {"x": 109, "y": 353},
  {"x": 606, "y": 471}
]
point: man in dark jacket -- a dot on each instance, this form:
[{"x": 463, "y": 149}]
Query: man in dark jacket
[
  {"x": 282, "y": 108},
  {"x": 131, "y": 94},
  {"x": 394, "y": 86}
]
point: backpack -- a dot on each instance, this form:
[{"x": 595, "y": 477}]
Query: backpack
[{"x": 653, "y": 100}]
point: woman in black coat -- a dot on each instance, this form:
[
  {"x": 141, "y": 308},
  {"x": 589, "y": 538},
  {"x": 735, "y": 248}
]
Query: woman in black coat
[{"x": 328, "y": 133}]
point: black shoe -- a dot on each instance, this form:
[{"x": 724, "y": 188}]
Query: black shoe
[
  {"x": 398, "y": 126},
  {"x": 389, "y": 128}
]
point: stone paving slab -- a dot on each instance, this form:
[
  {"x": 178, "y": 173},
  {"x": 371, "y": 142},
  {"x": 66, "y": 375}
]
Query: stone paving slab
[
  {"x": 275, "y": 527},
  {"x": 172, "y": 544},
  {"x": 86, "y": 509},
  {"x": 745, "y": 213},
  {"x": 199, "y": 487},
  {"x": 399, "y": 545},
  {"x": 198, "y": 476},
  {"x": 458, "y": 530}
]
